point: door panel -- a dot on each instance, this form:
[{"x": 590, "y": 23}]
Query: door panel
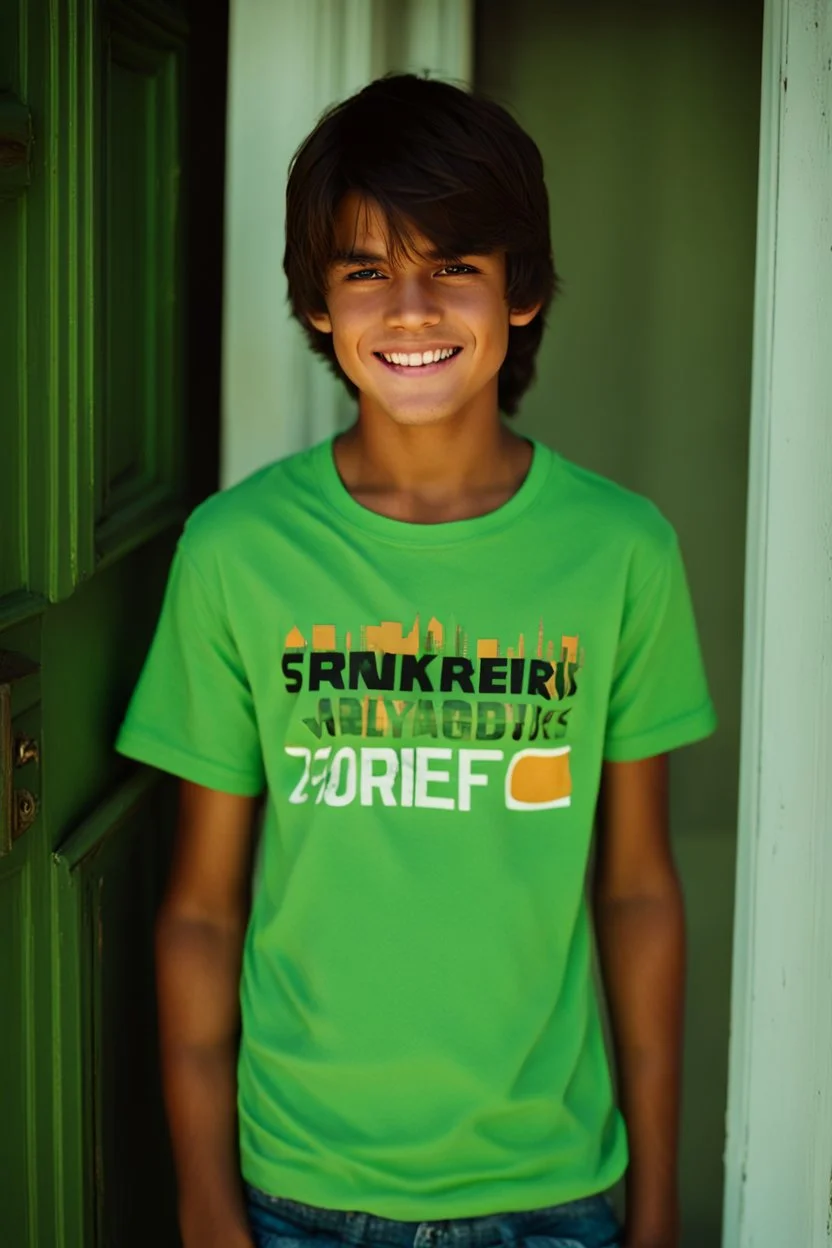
[
  {"x": 137, "y": 434},
  {"x": 113, "y": 866},
  {"x": 96, "y": 476},
  {"x": 21, "y": 916},
  {"x": 15, "y": 922}
]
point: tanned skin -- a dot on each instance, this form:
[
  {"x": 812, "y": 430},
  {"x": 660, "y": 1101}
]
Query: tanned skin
[
  {"x": 425, "y": 450},
  {"x": 640, "y": 928},
  {"x": 199, "y": 942}
]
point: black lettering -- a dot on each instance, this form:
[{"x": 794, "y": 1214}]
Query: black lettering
[
  {"x": 326, "y": 667},
  {"x": 350, "y": 718},
  {"x": 395, "y": 716},
  {"x": 294, "y": 680},
  {"x": 550, "y": 731},
  {"x": 519, "y": 713},
  {"x": 424, "y": 721},
  {"x": 456, "y": 720},
  {"x": 491, "y": 721},
  {"x": 457, "y": 672},
  {"x": 325, "y": 719},
  {"x": 414, "y": 669},
  {"x": 373, "y": 727},
  {"x": 363, "y": 665},
  {"x": 493, "y": 675},
  {"x": 539, "y": 674},
  {"x": 517, "y": 666}
]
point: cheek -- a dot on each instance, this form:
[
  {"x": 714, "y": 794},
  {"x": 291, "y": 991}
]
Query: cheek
[
  {"x": 349, "y": 324},
  {"x": 343, "y": 332},
  {"x": 486, "y": 314},
  {"x": 346, "y": 356},
  {"x": 346, "y": 343},
  {"x": 494, "y": 331}
]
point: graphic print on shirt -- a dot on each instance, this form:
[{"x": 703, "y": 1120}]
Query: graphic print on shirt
[{"x": 403, "y": 687}]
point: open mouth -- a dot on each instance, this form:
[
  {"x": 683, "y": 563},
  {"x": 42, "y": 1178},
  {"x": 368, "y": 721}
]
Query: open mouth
[{"x": 418, "y": 370}]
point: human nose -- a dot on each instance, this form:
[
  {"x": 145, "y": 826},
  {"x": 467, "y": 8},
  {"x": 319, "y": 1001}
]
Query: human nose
[{"x": 412, "y": 304}]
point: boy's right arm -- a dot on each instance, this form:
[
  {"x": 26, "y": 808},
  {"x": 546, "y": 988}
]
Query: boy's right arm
[{"x": 199, "y": 939}]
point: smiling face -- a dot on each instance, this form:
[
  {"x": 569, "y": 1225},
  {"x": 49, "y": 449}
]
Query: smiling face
[{"x": 424, "y": 303}]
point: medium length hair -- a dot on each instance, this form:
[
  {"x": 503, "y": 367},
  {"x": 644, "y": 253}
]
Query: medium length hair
[{"x": 454, "y": 165}]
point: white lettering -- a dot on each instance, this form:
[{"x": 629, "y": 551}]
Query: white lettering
[
  {"x": 384, "y": 783},
  {"x": 424, "y": 755},
  {"x": 407, "y": 775},
  {"x": 343, "y": 758},
  {"x": 388, "y": 776},
  {"x": 317, "y": 779},
  {"x": 300, "y": 751},
  {"x": 467, "y": 778}
]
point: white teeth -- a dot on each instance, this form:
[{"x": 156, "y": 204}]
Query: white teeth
[{"x": 417, "y": 359}]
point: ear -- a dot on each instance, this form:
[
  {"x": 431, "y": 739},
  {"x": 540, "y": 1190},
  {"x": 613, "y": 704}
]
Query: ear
[
  {"x": 524, "y": 318},
  {"x": 320, "y": 321}
]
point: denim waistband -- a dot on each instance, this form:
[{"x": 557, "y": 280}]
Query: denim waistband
[{"x": 475, "y": 1232}]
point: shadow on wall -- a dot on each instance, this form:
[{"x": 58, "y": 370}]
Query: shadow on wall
[{"x": 647, "y": 116}]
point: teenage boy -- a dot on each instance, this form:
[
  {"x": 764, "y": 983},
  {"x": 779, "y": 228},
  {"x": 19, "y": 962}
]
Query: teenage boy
[{"x": 439, "y": 650}]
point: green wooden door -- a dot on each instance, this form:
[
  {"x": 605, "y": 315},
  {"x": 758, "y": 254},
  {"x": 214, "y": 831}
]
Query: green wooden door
[{"x": 93, "y": 491}]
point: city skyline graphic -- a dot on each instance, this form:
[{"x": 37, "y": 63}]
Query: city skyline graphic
[
  {"x": 390, "y": 637},
  {"x": 441, "y": 682}
]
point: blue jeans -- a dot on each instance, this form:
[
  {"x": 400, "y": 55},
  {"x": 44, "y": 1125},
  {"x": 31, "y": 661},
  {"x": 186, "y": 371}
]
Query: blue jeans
[{"x": 277, "y": 1222}]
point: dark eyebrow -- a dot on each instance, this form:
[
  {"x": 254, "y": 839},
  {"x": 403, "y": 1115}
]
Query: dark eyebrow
[
  {"x": 344, "y": 259},
  {"x": 341, "y": 259}
]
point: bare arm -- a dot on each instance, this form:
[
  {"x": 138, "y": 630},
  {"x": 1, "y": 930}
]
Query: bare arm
[
  {"x": 640, "y": 927},
  {"x": 199, "y": 938}
]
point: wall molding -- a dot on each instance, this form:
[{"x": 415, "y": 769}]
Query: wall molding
[{"x": 779, "y": 1131}]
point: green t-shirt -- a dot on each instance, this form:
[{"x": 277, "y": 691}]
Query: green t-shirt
[{"x": 428, "y": 708}]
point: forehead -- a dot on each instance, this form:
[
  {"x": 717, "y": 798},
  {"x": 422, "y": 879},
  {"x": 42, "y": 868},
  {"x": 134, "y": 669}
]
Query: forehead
[
  {"x": 361, "y": 234},
  {"x": 361, "y": 224},
  {"x": 358, "y": 217}
]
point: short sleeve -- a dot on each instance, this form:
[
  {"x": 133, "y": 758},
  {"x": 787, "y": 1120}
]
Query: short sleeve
[
  {"x": 659, "y": 698},
  {"x": 192, "y": 711}
]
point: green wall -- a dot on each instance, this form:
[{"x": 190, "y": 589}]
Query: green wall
[{"x": 647, "y": 115}]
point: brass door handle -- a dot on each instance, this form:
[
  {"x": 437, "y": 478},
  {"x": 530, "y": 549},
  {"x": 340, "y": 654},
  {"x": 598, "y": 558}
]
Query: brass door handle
[{"x": 18, "y": 806}]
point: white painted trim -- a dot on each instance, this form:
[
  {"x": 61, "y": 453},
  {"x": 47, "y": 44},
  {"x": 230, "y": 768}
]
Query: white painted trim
[
  {"x": 440, "y": 38},
  {"x": 779, "y": 1130}
]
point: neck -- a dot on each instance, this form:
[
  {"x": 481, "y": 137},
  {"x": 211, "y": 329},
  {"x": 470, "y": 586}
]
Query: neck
[
  {"x": 450, "y": 470},
  {"x": 445, "y": 459}
]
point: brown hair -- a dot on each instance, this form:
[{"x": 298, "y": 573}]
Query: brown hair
[{"x": 454, "y": 164}]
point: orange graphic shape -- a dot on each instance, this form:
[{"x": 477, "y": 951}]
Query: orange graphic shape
[{"x": 541, "y": 778}]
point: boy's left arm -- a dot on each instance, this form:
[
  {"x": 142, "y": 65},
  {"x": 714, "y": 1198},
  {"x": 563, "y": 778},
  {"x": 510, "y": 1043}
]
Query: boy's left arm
[{"x": 640, "y": 930}]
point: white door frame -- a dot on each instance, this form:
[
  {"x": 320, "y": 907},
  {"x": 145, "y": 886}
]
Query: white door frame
[{"x": 779, "y": 1141}]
